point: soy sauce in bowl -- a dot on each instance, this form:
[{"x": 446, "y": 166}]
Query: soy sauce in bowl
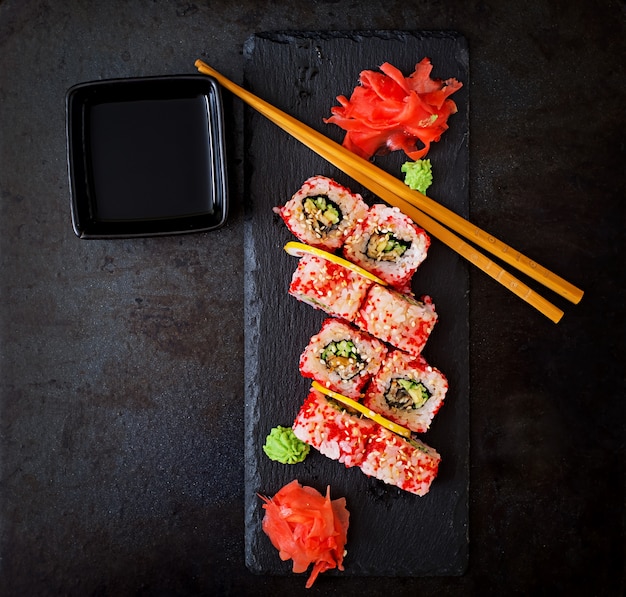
[{"x": 146, "y": 157}]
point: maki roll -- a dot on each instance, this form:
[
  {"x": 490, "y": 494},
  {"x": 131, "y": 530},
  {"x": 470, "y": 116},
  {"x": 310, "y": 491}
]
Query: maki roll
[
  {"x": 323, "y": 212},
  {"x": 399, "y": 319},
  {"x": 408, "y": 464},
  {"x": 328, "y": 286},
  {"x": 388, "y": 244},
  {"x": 407, "y": 391},
  {"x": 329, "y": 428},
  {"x": 340, "y": 434},
  {"x": 342, "y": 358}
]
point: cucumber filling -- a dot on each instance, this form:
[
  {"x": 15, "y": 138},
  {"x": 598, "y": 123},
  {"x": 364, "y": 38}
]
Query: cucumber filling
[
  {"x": 407, "y": 394},
  {"x": 383, "y": 245},
  {"x": 322, "y": 214},
  {"x": 343, "y": 358}
]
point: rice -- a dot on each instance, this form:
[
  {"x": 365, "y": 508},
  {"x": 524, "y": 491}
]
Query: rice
[
  {"x": 388, "y": 244},
  {"x": 399, "y": 319},
  {"x": 410, "y": 465},
  {"x": 322, "y": 213},
  {"x": 328, "y": 286},
  {"x": 407, "y": 390},
  {"x": 330, "y": 429},
  {"x": 342, "y": 358},
  {"x": 341, "y": 435}
]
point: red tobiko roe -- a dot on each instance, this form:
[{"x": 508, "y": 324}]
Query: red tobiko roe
[
  {"x": 307, "y": 527},
  {"x": 389, "y": 111}
]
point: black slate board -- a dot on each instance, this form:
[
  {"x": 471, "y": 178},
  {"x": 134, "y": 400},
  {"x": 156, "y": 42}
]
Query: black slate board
[{"x": 392, "y": 533}]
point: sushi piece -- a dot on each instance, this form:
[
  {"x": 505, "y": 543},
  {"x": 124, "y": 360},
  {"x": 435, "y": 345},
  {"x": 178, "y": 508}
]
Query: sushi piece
[
  {"x": 328, "y": 286},
  {"x": 329, "y": 428},
  {"x": 322, "y": 213},
  {"x": 359, "y": 408},
  {"x": 340, "y": 434},
  {"x": 388, "y": 244},
  {"x": 342, "y": 358},
  {"x": 399, "y": 319},
  {"x": 408, "y": 464},
  {"x": 407, "y": 391}
]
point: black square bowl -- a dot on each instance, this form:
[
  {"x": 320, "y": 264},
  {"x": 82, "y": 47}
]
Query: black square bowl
[{"x": 146, "y": 156}]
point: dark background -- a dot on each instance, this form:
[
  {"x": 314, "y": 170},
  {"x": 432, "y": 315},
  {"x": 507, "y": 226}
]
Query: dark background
[{"x": 121, "y": 414}]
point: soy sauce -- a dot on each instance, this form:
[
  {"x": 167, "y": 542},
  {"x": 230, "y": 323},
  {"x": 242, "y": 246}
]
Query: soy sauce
[{"x": 150, "y": 159}]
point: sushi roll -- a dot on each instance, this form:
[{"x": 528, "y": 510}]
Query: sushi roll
[
  {"x": 388, "y": 244},
  {"x": 322, "y": 213},
  {"x": 342, "y": 358},
  {"x": 408, "y": 464},
  {"x": 332, "y": 430},
  {"x": 340, "y": 434},
  {"x": 407, "y": 391},
  {"x": 399, "y": 319},
  {"x": 328, "y": 286}
]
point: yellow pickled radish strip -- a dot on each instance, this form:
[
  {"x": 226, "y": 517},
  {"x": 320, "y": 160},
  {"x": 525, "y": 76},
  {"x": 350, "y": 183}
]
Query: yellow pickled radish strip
[
  {"x": 299, "y": 249},
  {"x": 369, "y": 413}
]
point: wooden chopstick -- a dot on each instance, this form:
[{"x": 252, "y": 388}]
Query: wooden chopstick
[
  {"x": 456, "y": 243},
  {"x": 395, "y": 192}
]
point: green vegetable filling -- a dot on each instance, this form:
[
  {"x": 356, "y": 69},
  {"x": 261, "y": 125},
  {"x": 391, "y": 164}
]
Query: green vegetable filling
[
  {"x": 321, "y": 213},
  {"x": 343, "y": 358},
  {"x": 383, "y": 245},
  {"x": 407, "y": 394}
]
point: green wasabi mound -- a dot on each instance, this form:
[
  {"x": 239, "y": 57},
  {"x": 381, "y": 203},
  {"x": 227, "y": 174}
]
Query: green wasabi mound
[
  {"x": 283, "y": 446},
  {"x": 418, "y": 175}
]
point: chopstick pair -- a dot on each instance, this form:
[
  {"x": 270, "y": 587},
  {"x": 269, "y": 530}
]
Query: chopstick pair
[{"x": 425, "y": 212}]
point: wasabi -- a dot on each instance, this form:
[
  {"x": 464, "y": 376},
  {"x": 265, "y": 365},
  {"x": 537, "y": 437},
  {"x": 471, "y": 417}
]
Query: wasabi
[
  {"x": 283, "y": 446},
  {"x": 418, "y": 175}
]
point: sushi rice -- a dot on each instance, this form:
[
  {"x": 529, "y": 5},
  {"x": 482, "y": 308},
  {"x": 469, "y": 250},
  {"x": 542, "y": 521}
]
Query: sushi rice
[
  {"x": 322, "y": 213},
  {"x": 327, "y": 426},
  {"x": 340, "y": 434},
  {"x": 401, "y": 320},
  {"x": 369, "y": 348},
  {"x": 408, "y": 464},
  {"x": 388, "y": 244},
  {"x": 407, "y": 390},
  {"x": 342, "y": 358},
  {"x": 328, "y": 286}
]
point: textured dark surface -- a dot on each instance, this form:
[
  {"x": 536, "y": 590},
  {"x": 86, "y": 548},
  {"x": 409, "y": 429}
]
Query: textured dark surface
[
  {"x": 122, "y": 396},
  {"x": 392, "y": 532}
]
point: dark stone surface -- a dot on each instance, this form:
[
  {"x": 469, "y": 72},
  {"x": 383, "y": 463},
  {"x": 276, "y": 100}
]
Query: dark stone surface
[
  {"x": 392, "y": 532},
  {"x": 121, "y": 413}
]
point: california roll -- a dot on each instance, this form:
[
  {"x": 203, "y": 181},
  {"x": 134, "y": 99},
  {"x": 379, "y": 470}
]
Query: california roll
[
  {"x": 407, "y": 390},
  {"x": 342, "y": 358},
  {"x": 328, "y": 286},
  {"x": 401, "y": 320},
  {"x": 408, "y": 464},
  {"x": 341, "y": 434},
  {"x": 328, "y": 427},
  {"x": 322, "y": 213},
  {"x": 388, "y": 244}
]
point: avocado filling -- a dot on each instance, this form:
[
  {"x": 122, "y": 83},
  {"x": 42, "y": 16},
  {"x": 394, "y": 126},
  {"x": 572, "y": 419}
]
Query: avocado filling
[
  {"x": 407, "y": 394},
  {"x": 321, "y": 213},
  {"x": 384, "y": 246},
  {"x": 343, "y": 359}
]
